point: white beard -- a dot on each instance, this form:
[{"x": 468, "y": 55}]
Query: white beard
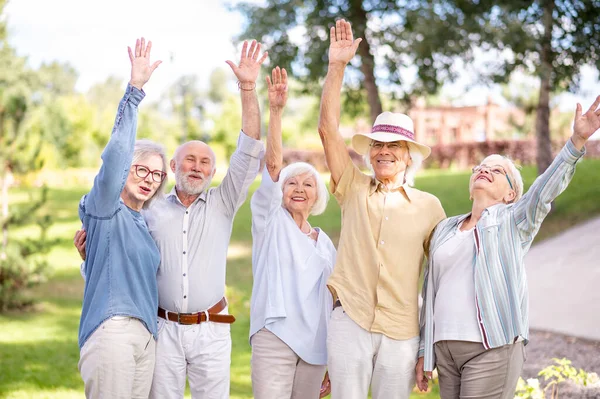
[{"x": 188, "y": 187}]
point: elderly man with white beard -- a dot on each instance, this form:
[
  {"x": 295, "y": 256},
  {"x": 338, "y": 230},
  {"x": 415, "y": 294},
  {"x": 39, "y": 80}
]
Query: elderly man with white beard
[{"x": 192, "y": 229}]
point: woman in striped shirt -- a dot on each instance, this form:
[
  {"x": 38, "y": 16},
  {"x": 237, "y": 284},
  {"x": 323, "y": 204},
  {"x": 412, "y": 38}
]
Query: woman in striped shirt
[{"x": 474, "y": 319}]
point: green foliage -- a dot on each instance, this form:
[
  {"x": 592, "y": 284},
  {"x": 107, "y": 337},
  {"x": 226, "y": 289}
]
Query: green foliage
[{"x": 553, "y": 375}]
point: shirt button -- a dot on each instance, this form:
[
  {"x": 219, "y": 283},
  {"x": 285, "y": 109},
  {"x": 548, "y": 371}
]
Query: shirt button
[
  {"x": 184, "y": 274},
  {"x": 382, "y": 242},
  {"x": 184, "y": 252},
  {"x": 183, "y": 231},
  {"x": 185, "y": 296},
  {"x": 186, "y": 212}
]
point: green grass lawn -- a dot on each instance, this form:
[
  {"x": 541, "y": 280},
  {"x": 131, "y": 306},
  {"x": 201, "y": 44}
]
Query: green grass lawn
[{"x": 38, "y": 348}]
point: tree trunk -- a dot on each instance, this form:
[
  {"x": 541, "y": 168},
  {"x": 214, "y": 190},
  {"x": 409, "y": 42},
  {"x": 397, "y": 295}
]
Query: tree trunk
[
  {"x": 542, "y": 123},
  {"x": 358, "y": 17}
]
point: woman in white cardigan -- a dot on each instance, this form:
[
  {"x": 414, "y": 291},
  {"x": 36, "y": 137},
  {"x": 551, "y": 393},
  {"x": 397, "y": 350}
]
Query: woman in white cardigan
[{"x": 291, "y": 262}]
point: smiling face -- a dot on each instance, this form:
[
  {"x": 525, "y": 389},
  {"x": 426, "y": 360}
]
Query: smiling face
[
  {"x": 137, "y": 189},
  {"x": 389, "y": 160},
  {"x": 490, "y": 179},
  {"x": 194, "y": 167},
  {"x": 300, "y": 193}
]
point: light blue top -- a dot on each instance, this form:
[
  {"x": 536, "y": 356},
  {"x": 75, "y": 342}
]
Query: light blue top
[
  {"x": 289, "y": 296},
  {"x": 504, "y": 235},
  {"x": 121, "y": 256}
]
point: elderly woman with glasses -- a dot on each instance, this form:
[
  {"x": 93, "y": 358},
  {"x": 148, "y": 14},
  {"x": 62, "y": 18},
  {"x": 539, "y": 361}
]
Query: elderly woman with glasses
[
  {"x": 474, "y": 319},
  {"x": 118, "y": 320},
  {"x": 291, "y": 261}
]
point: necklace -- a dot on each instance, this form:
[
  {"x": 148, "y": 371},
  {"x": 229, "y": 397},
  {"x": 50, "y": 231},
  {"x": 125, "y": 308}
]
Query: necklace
[{"x": 310, "y": 229}]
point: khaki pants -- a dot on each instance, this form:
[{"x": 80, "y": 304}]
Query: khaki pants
[
  {"x": 468, "y": 370},
  {"x": 357, "y": 358},
  {"x": 117, "y": 360},
  {"x": 278, "y": 373}
]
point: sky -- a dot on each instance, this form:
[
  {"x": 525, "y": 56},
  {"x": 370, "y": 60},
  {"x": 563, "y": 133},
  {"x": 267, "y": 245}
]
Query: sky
[{"x": 189, "y": 36}]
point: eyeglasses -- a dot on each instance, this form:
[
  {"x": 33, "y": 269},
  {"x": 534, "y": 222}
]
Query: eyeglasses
[
  {"x": 143, "y": 171},
  {"x": 395, "y": 145},
  {"x": 495, "y": 169}
]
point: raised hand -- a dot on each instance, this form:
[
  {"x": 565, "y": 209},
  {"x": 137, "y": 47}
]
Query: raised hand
[
  {"x": 278, "y": 88},
  {"x": 342, "y": 46},
  {"x": 141, "y": 70},
  {"x": 587, "y": 124},
  {"x": 249, "y": 66}
]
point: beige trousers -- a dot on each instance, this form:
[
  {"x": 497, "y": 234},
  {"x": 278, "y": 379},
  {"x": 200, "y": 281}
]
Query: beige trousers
[
  {"x": 357, "y": 359},
  {"x": 117, "y": 360},
  {"x": 278, "y": 373},
  {"x": 468, "y": 371}
]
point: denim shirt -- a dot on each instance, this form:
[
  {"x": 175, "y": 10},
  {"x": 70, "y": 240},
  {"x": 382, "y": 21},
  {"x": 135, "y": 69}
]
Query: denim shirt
[
  {"x": 503, "y": 235},
  {"x": 122, "y": 259}
]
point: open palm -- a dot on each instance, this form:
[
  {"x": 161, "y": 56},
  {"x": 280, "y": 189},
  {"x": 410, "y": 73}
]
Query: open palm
[
  {"x": 141, "y": 69},
  {"x": 585, "y": 125},
  {"x": 278, "y": 88},
  {"x": 249, "y": 67},
  {"x": 342, "y": 46}
]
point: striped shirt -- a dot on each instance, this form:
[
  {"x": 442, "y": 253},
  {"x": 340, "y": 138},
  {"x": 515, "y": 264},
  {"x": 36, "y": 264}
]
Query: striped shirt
[{"x": 504, "y": 233}]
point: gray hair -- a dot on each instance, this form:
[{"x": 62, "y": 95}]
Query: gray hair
[
  {"x": 298, "y": 168},
  {"x": 411, "y": 171},
  {"x": 513, "y": 173},
  {"x": 144, "y": 149}
]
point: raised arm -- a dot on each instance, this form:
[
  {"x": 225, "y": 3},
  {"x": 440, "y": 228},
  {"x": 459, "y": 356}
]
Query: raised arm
[
  {"x": 246, "y": 73},
  {"x": 533, "y": 207},
  {"x": 278, "y": 90},
  {"x": 342, "y": 49},
  {"x": 103, "y": 199}
]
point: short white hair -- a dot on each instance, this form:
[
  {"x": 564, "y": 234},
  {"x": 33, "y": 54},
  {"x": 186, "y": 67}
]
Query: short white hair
[
  {"x": 144, "y": 149},
  {"x": 299, "y": 168},
  {"x": 411, "y": 171},
  {"x": 513, "y": 173}
]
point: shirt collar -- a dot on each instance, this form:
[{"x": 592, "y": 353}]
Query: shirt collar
[
  {"x": 172, "y": 196},
  {"x": 376, "y": 185}
]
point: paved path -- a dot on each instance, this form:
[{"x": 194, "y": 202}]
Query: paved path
[{"x": 563, "y": 274}]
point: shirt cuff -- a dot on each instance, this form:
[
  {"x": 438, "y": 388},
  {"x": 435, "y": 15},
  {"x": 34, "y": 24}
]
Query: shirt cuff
[
  {"x": 135, "y": 95},
  {"x": 249, "y": 146},
  {"x": 570, "y": 153}
]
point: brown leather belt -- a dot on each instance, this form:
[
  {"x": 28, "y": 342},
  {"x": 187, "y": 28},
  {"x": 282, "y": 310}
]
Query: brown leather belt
[{"x": 211, "y": 314}]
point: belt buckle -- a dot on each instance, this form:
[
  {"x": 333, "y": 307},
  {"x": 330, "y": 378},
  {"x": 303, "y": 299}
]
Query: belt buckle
[{"x": 179, "y": 318}]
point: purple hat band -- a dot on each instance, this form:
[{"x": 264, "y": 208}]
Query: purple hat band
[{"x": 394, "y": 129}]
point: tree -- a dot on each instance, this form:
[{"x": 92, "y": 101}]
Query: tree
[
  {"x": 19, "y": 153},
  {"x": 550, "y": 39}
]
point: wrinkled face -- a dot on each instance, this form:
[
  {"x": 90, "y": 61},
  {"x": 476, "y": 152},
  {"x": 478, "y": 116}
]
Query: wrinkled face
[
  {"x": 491, "y": 178},
  {"x": 300, "y": 193},
  {"x": 140, "y": 188},
  {"x": 389, "y": 159},
  {"x": 194, "y": 167}
]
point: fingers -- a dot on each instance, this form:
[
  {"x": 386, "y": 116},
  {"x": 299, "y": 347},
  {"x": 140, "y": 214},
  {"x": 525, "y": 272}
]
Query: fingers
[
  {"x": 244, "y": 49},
  {"x": 356, "y": 43},
  {"x": 429, "y": 375},
  {"x": 349, "y": 35},
  {"x": 284, "y": 76},
  {"x": 155, "y": 65},
  {"x": 137, "y": 47},
  {"x": 578, "y": 111},
  {"x": 263, "y": 58},
  {"x": 338, "y": 30},
  {"x": 130, "y": 54},
  {"x": 594, "y": 105},
  {"x": 269, "y": 84},
  {"x": 332, "y": 35},
  {"x": 251, "y": 51},
  {"x": 256, "y": 51},
  {"x": 232, "y": 66},
  {"x": 148, "y": 48},
  {"x": 143, "y": 47}
]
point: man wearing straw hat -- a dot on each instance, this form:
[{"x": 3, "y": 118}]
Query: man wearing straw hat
[{"x": 373, "y": 333}]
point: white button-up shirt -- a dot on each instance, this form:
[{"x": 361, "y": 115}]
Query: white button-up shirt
[
  {"x": 193, "y": 241},
  {"x": 289, "y": 296}
]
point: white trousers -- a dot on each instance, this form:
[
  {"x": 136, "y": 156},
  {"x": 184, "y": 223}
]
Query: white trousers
[
  {"x": 117, "y": 360},
  {"x": 357, "y": 359},
  {"x": 200, "y": 351},
  {"x": 278, "y": 372}
]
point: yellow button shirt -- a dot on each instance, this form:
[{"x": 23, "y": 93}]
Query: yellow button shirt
[{"x": 381, "y": 251}]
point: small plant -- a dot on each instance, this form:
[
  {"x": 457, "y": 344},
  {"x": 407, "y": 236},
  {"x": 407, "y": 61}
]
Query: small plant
[{"x": 553, "y": 375}]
